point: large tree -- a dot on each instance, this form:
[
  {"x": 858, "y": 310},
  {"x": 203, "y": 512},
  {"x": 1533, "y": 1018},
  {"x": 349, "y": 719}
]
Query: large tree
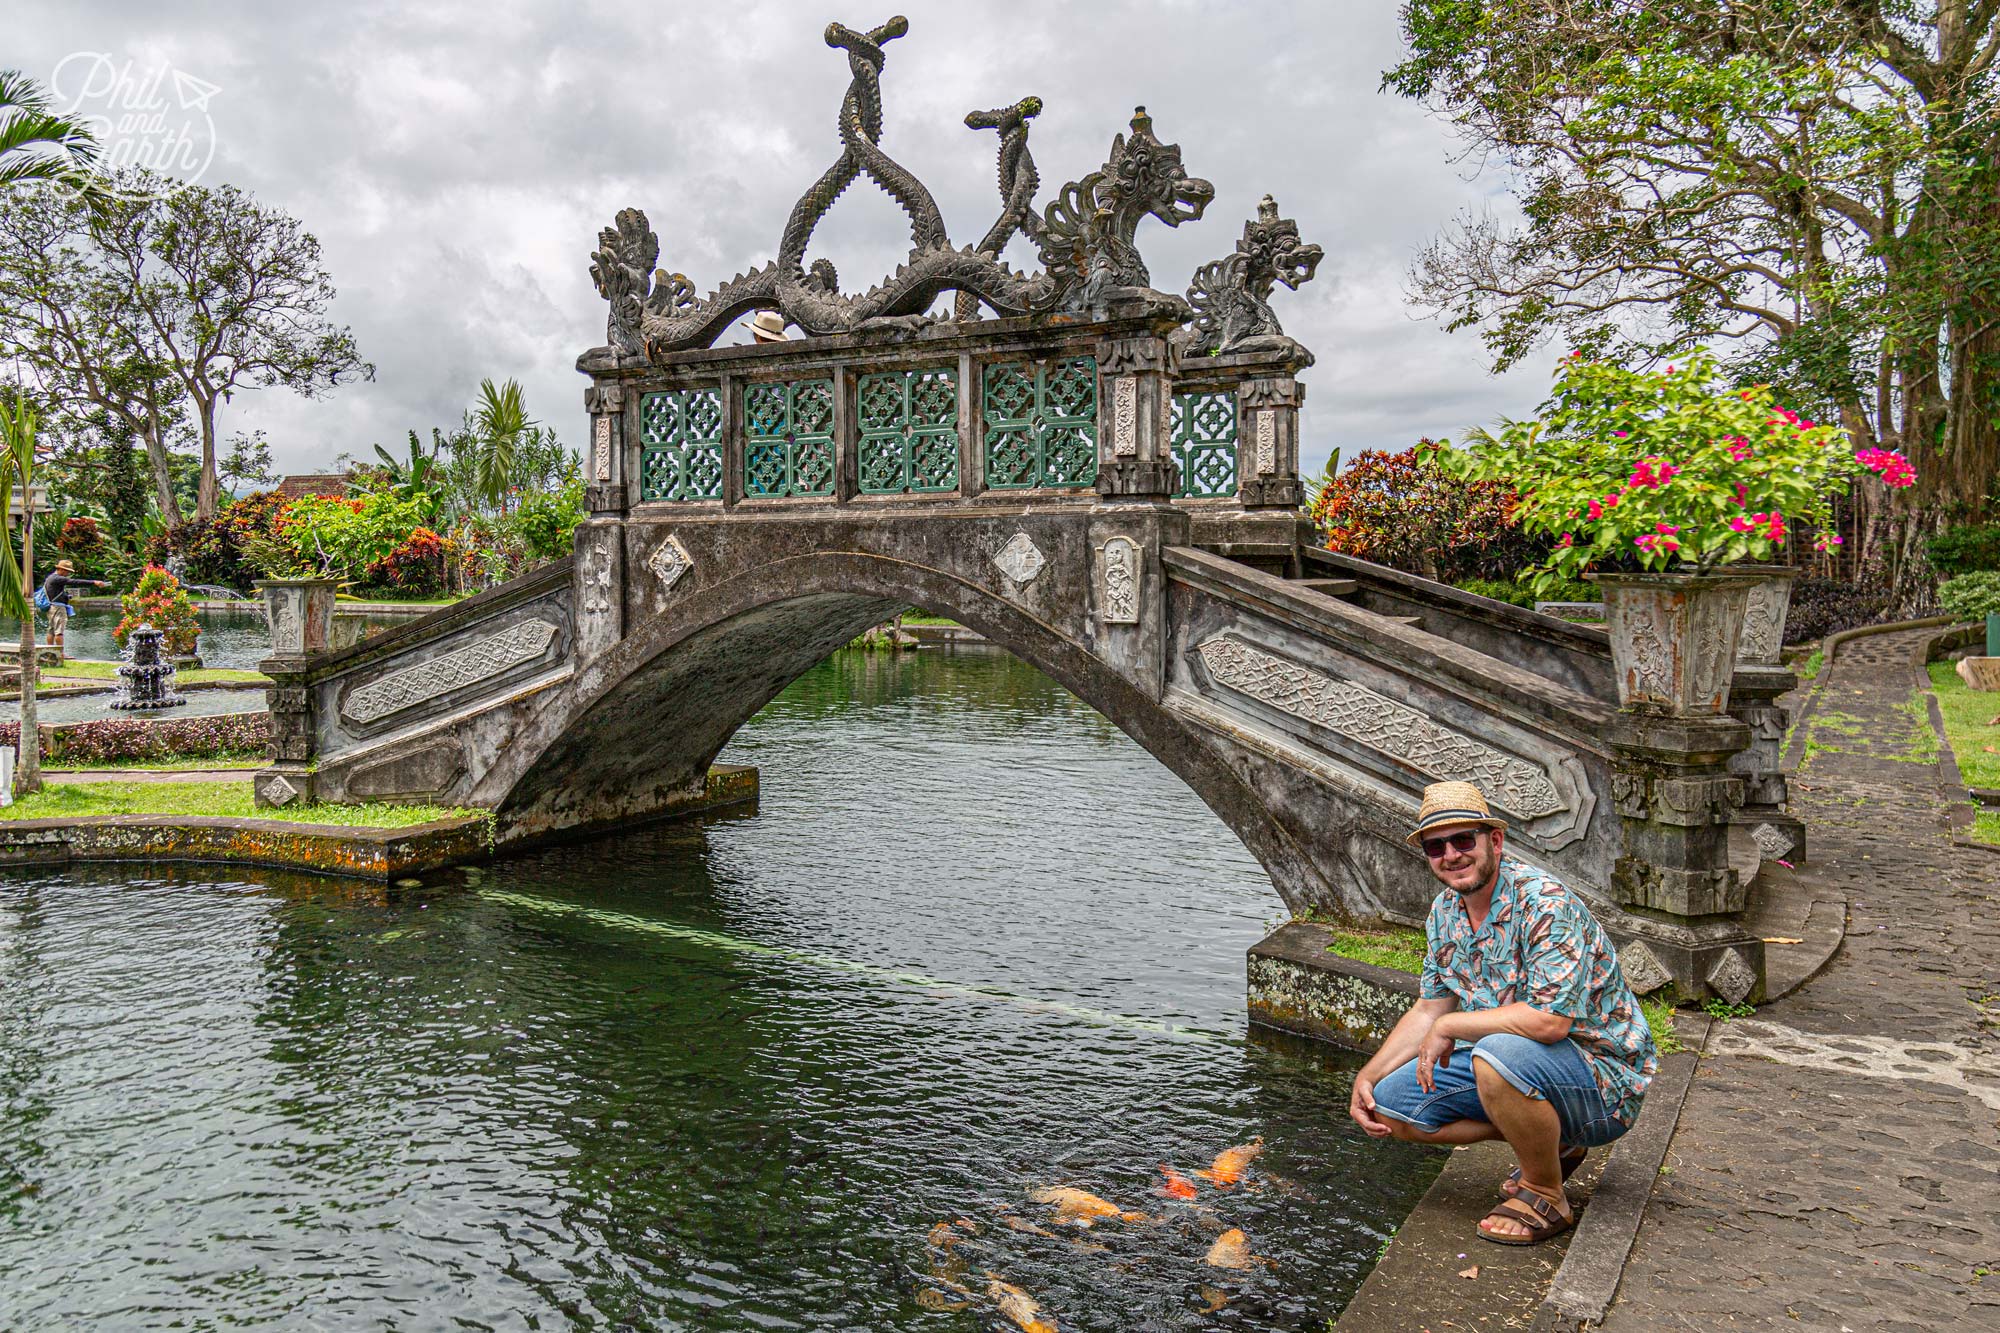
[
  {"x": 1813, "y": 183},
  {"x": 71, "y": 325},
  {"x": 234, "y": 294}
]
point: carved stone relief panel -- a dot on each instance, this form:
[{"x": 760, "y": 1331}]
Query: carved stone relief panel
[
  {"x": 1520, "y": 786},
  {"x": 1267, "y": 442},
  {"x": 478, "y": 661},
  {"x": 1118, "y": 572},
  {"x": 1125, "y": 416},
  {"x": 601, "y": 448}
]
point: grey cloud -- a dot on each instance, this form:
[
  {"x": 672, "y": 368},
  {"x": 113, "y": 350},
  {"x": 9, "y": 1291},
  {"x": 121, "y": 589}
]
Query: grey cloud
[{"x": 456, "y": 159}]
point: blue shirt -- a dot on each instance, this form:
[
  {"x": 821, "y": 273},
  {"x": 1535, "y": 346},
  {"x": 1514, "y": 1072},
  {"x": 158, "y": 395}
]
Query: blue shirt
[{"x": 1540, "y": 946}]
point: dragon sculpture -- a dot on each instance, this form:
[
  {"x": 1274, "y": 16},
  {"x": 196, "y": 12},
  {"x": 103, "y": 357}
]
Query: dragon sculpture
[
  {"x": 1232, "y": 296},
  {"x": 1084, "y": 236}
]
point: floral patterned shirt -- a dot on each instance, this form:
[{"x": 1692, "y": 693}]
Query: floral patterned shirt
[{"x": 1541, "y": 946}]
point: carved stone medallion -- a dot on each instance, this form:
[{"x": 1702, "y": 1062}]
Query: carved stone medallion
[
  {"x": 602, "y": 448},
  {"x": 1020, "y": 559},
  {"x": 279, "y": 792},
  {"x": 669, "y": 562},
  {"x": 1644, "y": 972},
  {"x": 1771, "y": 841},
  {"x": 1125, "y": 416},
  {"x": 1118, "y": 581},
  {"x": 1381, "y": 724},
  {"x": 1267, "y": 442},
  {"x": 480, "y": 660},
  {"x": 1732, "y": 976}
]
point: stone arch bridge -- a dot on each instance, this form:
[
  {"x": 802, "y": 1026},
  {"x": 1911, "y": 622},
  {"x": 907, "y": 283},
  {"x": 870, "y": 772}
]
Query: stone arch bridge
[{"x": 1098, "y": 477}]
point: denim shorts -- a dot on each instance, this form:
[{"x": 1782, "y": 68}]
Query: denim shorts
[{"x": 1554, "y": 1072}]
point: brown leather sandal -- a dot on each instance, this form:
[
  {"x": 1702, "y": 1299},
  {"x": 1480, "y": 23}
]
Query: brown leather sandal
[
  {"x": 1571, "y": 1160},
  {"x": 1540, "y": 1216}
]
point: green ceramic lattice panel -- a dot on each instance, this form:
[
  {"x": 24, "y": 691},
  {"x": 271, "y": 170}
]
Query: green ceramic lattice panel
[
  {"x": 788, "y": 438},
  {"x": 680, "y": 445},
  {"x": 1204, "y": 445},
  {"x": 908, "y": 431},
  {"x": 1041, "y": 423}
]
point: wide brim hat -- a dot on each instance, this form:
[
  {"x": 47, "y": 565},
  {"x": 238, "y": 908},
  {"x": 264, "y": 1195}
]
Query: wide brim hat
[
  {"x": 1447, "y": 803},
  {"x": 768, "y": 326},
  {"x": 65, "y": 567}
]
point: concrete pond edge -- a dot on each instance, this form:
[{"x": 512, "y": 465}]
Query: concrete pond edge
[
  {"x": 1296, "y": 985},
  {"x": 329, "y": 849}
]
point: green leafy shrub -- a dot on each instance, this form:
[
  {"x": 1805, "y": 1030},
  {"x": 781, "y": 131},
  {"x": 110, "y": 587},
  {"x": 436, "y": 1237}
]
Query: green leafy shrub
[
  {"x": 547, "y": 521},
  {"x": 1500, "y": 590},
  {"x": 1965, "y": 548},
  {"x": 340, "y": 538},
  {"x": 160, "y": 601},
  {"x": 1972, "y": 596}
]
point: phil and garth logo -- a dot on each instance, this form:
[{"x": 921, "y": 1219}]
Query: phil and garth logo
[{"x": 151, "y": 122}]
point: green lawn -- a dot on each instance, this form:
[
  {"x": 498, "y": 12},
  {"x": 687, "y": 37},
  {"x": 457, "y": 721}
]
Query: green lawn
[
  {"x": 202, "y": 676},
  {"x": 1969, "y": 718},
  {"x": 226, "y": 759},
  {"x": 227, "y": 799}
]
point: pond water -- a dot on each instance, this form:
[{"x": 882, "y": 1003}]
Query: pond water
[
  {"x": 720, "y": 1075},
  {"x": 97, "y": 705},
  {"x": 237, "y": 639}
]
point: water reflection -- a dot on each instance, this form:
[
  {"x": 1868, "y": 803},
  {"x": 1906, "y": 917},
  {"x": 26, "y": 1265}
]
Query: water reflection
[{"x": 720, "y": 1076}]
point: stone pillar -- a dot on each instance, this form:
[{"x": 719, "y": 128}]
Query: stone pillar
[
  {"x": 300, "y": 613},
  {"x": 598, "y": 587},
  {"x": 1135, "y": 419},
  {"x": 605, "y": 465},
  {"x": 1766, "y": 811},
  {"x": 1675, "y": 797},
  {"x": 1267, "y": 443}
]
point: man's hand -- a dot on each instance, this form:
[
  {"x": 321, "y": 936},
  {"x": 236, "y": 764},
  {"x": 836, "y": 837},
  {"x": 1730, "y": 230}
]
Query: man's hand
[
  {"x": 1361, "y": 1106},
  {"x": 1433, "y": 1055}
]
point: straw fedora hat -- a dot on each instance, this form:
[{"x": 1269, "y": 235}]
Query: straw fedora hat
[
  {"x": 1452, "y": 803},
  {"x": 768, "y": 326},
  {"x": 65, "y": 567}
]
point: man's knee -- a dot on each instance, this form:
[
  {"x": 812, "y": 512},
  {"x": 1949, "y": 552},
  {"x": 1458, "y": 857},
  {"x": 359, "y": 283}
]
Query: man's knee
[{"x": 1409, "y": 1133}]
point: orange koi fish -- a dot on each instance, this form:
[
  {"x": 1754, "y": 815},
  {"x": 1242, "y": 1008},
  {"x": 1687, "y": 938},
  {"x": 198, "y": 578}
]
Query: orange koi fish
[
  {"x": 1017, "y": 1305},
  {"x": 1082, "y": 1207},
  {"x": 1178, "y": 1186},
  {"x": 1231, "y": 1250},
  {"x": 1231, "y": 1163}
]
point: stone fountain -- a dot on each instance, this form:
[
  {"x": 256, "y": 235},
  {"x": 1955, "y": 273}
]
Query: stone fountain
[{"x": 146, "y": 682}]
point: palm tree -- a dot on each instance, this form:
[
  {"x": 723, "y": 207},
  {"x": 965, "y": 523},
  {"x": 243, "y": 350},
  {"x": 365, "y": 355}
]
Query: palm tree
[
  {"x": 499, "y": 423},
  {"x": 17, "y": 577},
  {"x": 36, "y": 144}
]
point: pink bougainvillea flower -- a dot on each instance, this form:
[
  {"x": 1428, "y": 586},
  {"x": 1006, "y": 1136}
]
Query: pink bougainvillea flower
[
  {"x": 1612, "y": 499},
  {"x": 1596, "y": 510},
  {"x": 1742, "y": 496},
  {"x": 1667, "y": 528},
  {"x": 1569, "y": 539},
  {"x": 1776, "y": 531},
  {"x": 1621, "y": 434}
]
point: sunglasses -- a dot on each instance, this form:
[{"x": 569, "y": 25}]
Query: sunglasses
[{"x": 1457, "y": 842}]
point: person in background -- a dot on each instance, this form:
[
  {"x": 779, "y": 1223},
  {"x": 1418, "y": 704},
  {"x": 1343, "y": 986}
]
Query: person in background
[{"x": 54, "y": 599}]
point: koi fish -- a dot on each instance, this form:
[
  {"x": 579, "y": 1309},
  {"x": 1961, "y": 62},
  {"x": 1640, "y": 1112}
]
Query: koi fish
[
  {"x": 1017, "y": 1305},
  {"x": 1231, "y": 1163},
  {"x": 1082, "y": 1207},
  {"x": 1025, "y": 1227},
  {"x": 937, "y": 1300},
  {"x": 1213, "y": 1300},
  {"x": 1232, "y": 1250},
  {"x": 1178, "y": 1186}
]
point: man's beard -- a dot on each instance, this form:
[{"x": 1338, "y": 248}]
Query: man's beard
[{"x": 1485, "y": 866}]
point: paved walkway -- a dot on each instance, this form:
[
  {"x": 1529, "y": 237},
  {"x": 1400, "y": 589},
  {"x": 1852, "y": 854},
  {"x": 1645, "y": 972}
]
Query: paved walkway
[{"x": 1837, "y": 1166}]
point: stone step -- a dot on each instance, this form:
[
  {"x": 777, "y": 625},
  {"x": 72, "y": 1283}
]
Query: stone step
[{"x": 1331, "y": 587}]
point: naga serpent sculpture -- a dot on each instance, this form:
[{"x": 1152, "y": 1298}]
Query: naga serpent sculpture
[
  {"x": 1231, "y": 296},
  {"x": 1084, "y": 237}
]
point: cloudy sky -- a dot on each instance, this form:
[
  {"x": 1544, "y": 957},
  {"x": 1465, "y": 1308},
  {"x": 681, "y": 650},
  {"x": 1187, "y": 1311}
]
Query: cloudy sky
[{"x": 456, "y": 160}]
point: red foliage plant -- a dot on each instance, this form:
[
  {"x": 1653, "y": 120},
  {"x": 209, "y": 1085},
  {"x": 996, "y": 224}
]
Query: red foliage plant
[
  {"x": 1404, "y": 511},
  {"x": 416, "y": 565},
  {"x": 80, "y": 539}
]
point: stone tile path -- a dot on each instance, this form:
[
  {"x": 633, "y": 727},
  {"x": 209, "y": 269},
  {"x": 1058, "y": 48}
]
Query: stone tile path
[{"x": 1837, "y": 1166}]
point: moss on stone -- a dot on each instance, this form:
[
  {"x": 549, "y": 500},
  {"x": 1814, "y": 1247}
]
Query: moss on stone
[{"x": 1400, "y": 950}]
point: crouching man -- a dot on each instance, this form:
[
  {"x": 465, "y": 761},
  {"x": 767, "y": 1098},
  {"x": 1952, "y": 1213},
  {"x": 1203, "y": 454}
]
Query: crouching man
[{"x": 1524, "y": 1030}]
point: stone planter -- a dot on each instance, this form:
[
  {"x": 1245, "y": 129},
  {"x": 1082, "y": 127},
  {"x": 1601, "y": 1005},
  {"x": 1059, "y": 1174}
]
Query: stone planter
[
  {"x": 300, "y": 614},
  {"x": 1674, "y": 638},
  {"x": 1770, "y": 598}
]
